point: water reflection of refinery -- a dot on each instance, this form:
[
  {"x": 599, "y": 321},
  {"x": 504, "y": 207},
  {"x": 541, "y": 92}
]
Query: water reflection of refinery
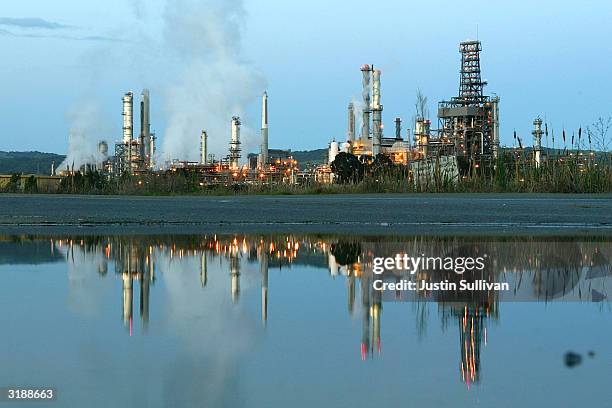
[{"x": 544, "y": 270}]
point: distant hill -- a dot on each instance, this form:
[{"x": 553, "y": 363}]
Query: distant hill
[
  {"x": 28, "y": 162},
  {"x": 317, "y": 156}
]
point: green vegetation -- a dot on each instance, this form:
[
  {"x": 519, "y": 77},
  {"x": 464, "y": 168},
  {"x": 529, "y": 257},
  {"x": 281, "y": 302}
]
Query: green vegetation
[{"x": 513, "y": 172}]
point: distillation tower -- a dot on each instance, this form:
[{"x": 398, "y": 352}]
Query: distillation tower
[{"x": 234, "y": 150}]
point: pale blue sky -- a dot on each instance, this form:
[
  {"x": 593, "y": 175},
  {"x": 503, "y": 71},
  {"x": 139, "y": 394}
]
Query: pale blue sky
[{"x": 550, "y": 58}]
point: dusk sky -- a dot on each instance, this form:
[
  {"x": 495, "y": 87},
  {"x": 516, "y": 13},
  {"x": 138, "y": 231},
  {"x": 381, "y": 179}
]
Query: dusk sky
[{"x": 66, "y": 65}]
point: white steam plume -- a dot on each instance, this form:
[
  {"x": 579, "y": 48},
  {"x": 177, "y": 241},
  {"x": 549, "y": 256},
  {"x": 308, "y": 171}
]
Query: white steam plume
[
  {"x": 189, "y": 54},
  {"x": 86, "y": 131},
  {"x": 214, "y": 83}
]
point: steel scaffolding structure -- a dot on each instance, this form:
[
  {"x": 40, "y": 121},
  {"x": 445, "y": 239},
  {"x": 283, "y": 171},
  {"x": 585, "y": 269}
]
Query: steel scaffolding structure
[{"x": 468, "y": 122}]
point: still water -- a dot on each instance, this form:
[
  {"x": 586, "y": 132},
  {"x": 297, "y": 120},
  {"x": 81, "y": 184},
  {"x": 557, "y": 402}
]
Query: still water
[{"x": 293, "y": 321}]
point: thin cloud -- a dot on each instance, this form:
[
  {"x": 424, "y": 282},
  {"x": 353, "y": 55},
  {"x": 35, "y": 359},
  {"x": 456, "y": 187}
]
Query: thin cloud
[
  {"x": 32, "y": 22},
  {"x": 7, "y": 33}
]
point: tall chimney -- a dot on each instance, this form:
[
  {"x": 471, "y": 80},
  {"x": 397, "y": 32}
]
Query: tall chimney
[
  {"x": 366, "y": 70},
  {"x": 128, "y": 117},
  {"x": 264, "y": 130},
  {"x": 537, "y": 141},
  {"x": 235, "y": 143},
  {"x": 204, "y": 148},
  {"x": 398, "y": 129},
  {"x": 351, "y": 123},
  {"x": 145, "y": 128},
  {"x": 377, "y": 108}
]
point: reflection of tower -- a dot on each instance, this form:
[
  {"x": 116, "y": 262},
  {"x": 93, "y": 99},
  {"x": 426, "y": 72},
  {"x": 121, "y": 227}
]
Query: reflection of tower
[
  {"x": 203, "y": 269},
  {"x": 375, "y": 312},
  {"x": 371, "y": 302},
  {"x": 235, "y": 277},
  {"x": 470, "y": 327},
  {"x": 127, "y": 299},
  {"x": 351, "y": 292},
  {"x": 365, "y": 303},
  {"x": 135, "y": 263},
  {"x": 333, "y": 265},
  {"x": 264, "y": 286},
  {"x": 144, "y": 297}
]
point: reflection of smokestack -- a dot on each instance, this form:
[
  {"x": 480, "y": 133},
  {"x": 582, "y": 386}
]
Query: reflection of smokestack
[
  {"x": 333, "y": 265},
  {"x": 144, "y": 297},
  {"x": 365, "y": 125},
  {"x": 375, "y": 312},
  {"x": 376, "y": 113},
  {"x": 351, "y": 122},
  {"x": 351, "y": 292},
  {"x": 264, "y": 286},
  {"x": 128, "y": 117},
  {"x": 264, "y": 129},
  {"x": 365, "y": 328},
  {"x": 203, "y": 269},
  {"x": 235, "y": 278},
  {"x": 203, "y": 148},
  {"x": 127, "y": 297},
  {"x": 235, "y": 143}
]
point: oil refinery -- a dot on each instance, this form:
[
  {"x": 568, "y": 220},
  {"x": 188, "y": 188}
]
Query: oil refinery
[{"x": 466, "y": 140}]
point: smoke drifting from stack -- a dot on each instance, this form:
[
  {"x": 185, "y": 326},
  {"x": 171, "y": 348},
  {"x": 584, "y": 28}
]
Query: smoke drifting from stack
[
  {"x": 215, "y": 84},
  {"x": 86, "y": 131},
  {"x": 192, "y": 61}
]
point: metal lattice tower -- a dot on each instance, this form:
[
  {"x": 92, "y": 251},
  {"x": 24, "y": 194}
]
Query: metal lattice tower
[{"x": 471, "y": 86}]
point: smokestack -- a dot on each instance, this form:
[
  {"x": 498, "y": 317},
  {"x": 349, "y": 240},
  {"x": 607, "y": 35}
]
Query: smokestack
[
  {"x": 351, "y": 122},
  {"x": 366, "y": 70},
  {"x": 152, "y": 150},
  {"x": 145, "y": 128},
  {"x": 495, "y": 120},
  {"x": 264, "y": 130},
  {"x": 537, "y": 141},
  {"x": 376, "y": 113},
  {"x": 398, "y": 129},
  {"x": 235, "y": 143},
  {"x": 204, "y": 148},
  {"x": 128, "y": 117}
]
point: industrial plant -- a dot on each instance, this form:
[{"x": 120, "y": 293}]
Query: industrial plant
[{"x": 465, "y": 143}]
